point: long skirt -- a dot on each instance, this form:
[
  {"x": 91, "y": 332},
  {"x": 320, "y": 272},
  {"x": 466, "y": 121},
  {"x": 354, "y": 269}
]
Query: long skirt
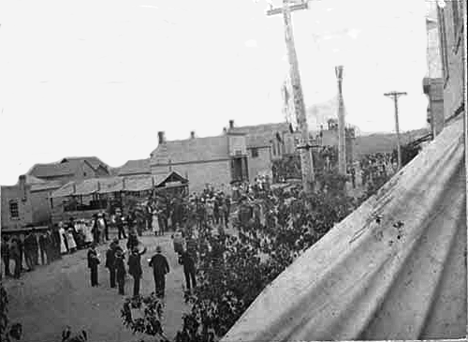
[{"x": 155, "y": 225}]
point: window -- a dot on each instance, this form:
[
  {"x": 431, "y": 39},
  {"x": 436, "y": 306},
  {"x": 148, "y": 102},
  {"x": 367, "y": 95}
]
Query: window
[
  {"x": 254, "y": 152},
  {"x": 14, "y": 210},
  {"x": 443, "y": 43},
  {"x": 274, "y": 148}
]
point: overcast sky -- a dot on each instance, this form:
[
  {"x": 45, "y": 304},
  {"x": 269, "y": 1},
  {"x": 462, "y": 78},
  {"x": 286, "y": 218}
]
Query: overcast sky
[{"x": 94, "y": 77}]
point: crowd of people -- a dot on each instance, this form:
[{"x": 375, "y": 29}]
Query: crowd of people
[{"x": 377, "y": 168}]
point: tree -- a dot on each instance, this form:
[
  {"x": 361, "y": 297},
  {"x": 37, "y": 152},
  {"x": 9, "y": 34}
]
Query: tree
[
  {"x": 7, "y": 332},
  {"x": 234, "y": 270},
  {"x": 150, "y": 310}
]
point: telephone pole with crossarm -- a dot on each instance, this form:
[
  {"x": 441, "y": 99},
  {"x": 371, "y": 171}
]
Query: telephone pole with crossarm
[
  {"x": 305, "y": 149},
  {"x": 395, "y": 95}
]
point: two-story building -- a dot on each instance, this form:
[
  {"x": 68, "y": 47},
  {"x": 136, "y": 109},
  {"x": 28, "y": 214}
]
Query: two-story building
[
  {"x": 265, "y": 143},
  {"x": 216, "y": 161}
]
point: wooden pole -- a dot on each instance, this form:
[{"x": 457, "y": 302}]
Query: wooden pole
[
  {"x": 341, "y": 123},
  {"x": 395, "y": 95},
  {"x": 299, "y": 106}
]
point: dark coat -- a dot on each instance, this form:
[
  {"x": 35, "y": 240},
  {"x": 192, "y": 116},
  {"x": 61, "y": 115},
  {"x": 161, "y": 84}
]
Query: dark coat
[
  {"x": 120, "y": 267},
  {"x": 93, "y": 260},
  {"x": 134, "y": 264},
  {"x": 110, "y": 257},
  {"x": 187, "y": 262},
  {"x": 159, "y": 264}
]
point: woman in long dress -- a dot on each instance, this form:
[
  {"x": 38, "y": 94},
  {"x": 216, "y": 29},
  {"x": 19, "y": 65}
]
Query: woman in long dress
[
  {"x": 88, "y": 232},
  {"x": 155, "y": 224},
  {"x": 63, "y": 246},
  {"x": 71, "y": 240}
]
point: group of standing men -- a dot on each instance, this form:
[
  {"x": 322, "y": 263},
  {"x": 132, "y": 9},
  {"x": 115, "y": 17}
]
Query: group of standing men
[
  {"x": 26, "y": 248},
  {"x": 115, "y": 263}
]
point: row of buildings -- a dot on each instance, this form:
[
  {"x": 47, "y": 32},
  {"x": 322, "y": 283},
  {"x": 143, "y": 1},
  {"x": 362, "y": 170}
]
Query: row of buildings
[{"x": 238, "y": 154}]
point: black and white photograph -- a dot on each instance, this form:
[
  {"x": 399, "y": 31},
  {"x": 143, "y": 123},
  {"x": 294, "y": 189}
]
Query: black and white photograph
[{"x": 233, "y": 171}]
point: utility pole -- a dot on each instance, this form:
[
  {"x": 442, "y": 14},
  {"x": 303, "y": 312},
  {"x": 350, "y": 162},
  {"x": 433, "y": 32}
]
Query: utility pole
[
  {"x": 305, "y": 149},
  {"x": 395, "y": 95},
  {"x": 341, "y": 123}
]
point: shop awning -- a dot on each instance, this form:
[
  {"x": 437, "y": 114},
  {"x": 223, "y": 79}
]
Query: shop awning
[{"x": 117, "y": 184}]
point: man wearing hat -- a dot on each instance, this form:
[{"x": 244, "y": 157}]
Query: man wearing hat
[
  {"x": 120, "y": 224},
  {"x": 160, "y": 268},
  {"x": 134, "y": 268},
  {"x": 120, "y": 269},
  {"x": 110, "y": 260},
  {"x": 93, "y": 263}
]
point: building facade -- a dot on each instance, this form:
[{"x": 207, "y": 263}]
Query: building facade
[
  {"x": 451, "y": 16},
  {"x": 27, "y": 203},
  {"x": 265, "y": 143},
  {"x": 433, "y": 83},
  {"x": 329, "y": 137},
  {"x": 216, "y": 161}
]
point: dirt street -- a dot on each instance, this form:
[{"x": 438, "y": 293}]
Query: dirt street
[{"x": 52, "y": 297}]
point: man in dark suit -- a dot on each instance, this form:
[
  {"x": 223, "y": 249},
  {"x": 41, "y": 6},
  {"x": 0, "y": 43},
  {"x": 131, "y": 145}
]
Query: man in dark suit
[
  {"x": 189, "y": 269},
  {"x": 110, "y": 261},
  {"x": 134, "y": 268},
  {"x": 160, "y": 268},
  {"x": 93, "y": 263},
  {"x": 120, "y": 269}
]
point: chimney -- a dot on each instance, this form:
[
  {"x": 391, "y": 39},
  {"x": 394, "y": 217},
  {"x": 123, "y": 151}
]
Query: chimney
[
  {"x": 22, "y": 186},
  {"x": 231, "y": 124},
  {"x": 192, "y": 135},
  {"x": 161, "y": 139}
]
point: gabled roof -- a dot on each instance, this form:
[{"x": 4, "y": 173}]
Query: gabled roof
[
  {"x": 196, "y": 149},
  {"x": 135, "y": 167},
  {"x": 261, "y": 135},
  {"x": 66, "y": 167},
  {"x": 94, "y": 162},
  {"x": 50, "y": 170}
]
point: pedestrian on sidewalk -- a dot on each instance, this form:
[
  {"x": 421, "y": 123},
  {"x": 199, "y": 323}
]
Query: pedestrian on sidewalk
[
  {"x": 29, "y": 251},
  {"x": 135, "y": 270},
  {"x": 71, "y": 240},
  {"x": 95, "y": 230},
  {"x": 43, "y": 248},
  {"x": 120, "y": 224},
  {"x": 93, "y": 262},
  {"x": 15, "y": 254},
  {"x": 160, "y": 268},
  {"x": 189, "y": 270},
  {"x": 34, "y": 248},
  {"x": 63, "y": 239},
  {"x": 6, "y": 254},
  {"x": 120, "y": 269}
]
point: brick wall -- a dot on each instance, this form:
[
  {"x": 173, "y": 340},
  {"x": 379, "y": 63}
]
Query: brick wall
[{"x": 14, "y": 193}]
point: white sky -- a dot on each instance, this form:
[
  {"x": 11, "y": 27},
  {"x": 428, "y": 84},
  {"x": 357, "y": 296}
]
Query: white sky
[{"x": 95, "y": 77}]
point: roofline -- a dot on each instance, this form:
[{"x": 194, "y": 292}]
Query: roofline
[{"x": 192, "y": 162}]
